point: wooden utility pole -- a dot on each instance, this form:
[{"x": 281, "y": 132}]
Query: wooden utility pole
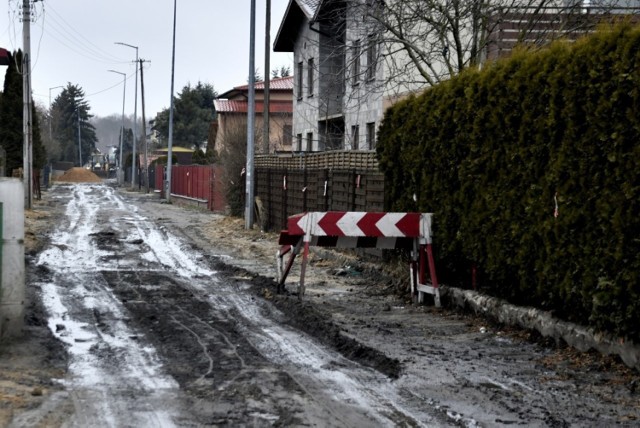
[{"x": 144, "y": 130}]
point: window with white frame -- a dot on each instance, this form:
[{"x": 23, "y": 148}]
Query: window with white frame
[
  {"x": 372, "y": 56},
  {"x": 355, "y": 137},
  {"x": 355, "y": 62},
  {"x": 299, "y": 80},
  {"x": 310, "y": 76},
  {"x": 371, "y": 135},
  {"x": 309, "y": 141}
]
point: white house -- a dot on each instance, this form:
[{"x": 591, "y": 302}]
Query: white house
[{"x": 338, "y": 90}]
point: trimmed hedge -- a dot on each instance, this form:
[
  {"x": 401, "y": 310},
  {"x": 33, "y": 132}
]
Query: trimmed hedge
[{"x": 491, "y": 151}]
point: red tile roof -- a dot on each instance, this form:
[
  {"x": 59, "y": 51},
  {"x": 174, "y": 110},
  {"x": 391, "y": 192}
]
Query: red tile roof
[
  {"x": 235, "y": 106},
  {"x": 277, "y": 84},
  {"x": 283, "y": 84},
  {"x": 4, "y": 57}
]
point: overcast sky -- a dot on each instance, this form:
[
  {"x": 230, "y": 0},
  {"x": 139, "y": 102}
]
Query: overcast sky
[{"x": 73, "y": 41}]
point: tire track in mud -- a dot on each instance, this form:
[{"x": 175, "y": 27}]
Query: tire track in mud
[
  {"x": 112, "y": 379},
  {"x": 326, "y": 377},
  {"x": 134, "y": 289}
]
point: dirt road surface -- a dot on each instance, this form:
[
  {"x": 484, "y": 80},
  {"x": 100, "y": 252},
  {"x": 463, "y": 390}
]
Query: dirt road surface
[{"x": 144, "y": 314}]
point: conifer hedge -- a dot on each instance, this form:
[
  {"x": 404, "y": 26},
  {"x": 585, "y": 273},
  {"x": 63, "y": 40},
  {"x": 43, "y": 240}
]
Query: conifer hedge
[{"x": 491, "y": 151}]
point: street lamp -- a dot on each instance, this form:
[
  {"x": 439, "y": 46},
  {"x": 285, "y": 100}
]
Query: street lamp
[
  {"x": 124, "y": 93},
  {"x": 79, "y": 138},
  {"x": 249, "y": 193},
  {"x": 55, "y": 87},
  {"x": 135, "y": 118},
  {"x": 170, "y": 145}
]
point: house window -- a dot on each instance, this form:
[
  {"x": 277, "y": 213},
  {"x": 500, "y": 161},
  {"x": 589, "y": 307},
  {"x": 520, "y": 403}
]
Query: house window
[
  {"x": 371, "y": 135},
  {"x": 309, "y": 141},
  {"x": 299, "y": 142},
  {"x": 299, "y": 80},
  {"x": 287, "y": 136},
  {"x": 310, "y": 71},
  {"x": 372, "y": 56},
  {"x": 355, "y": 63},
  {"x": 355, "y": 136}
]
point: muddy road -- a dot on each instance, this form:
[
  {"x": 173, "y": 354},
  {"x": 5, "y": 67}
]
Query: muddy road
[{"x": 169, "y": 318}]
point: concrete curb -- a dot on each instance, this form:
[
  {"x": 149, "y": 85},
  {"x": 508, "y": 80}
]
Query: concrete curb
[{"x": 580, "y": 337}]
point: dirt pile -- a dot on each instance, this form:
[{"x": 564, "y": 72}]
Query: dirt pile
[{"x": 79, "y": 175}]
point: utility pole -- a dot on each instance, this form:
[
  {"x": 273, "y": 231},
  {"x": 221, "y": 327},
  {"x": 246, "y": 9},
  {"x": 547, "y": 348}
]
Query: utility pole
[
  {"x": 124, "y": 94},
  {"x": 144, "y": 130},
  {"x": 267, "y": 80},
  {"x": 248, "y": 205},
  {"x": 79, "y": 139},
  {"x": 27, "y": 148},
  {"x": 135, "y": 118},
  {"x": 173, "y": 68}
]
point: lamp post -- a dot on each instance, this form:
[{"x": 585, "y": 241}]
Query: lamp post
[
  {"x": 170, "y": 145},
  {"x": 55, "y": 87},
  {"x": 79, "y": 138},
  {"x": 135, "y": 118},
  {"x": 249, "y": 192},
  {"x": 124, "y": 94},
  {"x": 27, "y": 147}
]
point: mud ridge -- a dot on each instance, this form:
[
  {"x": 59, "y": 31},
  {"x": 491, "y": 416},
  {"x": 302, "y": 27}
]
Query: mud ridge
[{"x": 306, "y": 317}]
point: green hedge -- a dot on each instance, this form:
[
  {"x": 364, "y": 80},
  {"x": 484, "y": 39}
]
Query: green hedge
[{"x": 490, "y": 151}]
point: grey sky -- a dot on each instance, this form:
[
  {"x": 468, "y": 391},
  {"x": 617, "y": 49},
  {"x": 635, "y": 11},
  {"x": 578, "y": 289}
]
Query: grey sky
[{"x": 77, "y": 46}]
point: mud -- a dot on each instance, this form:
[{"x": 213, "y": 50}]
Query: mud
[{"x": 225, "y": 350}]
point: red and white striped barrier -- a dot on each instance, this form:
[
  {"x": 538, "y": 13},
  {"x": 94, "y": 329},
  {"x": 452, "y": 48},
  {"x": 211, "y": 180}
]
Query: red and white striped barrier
[{"x": 345, "y": 229}]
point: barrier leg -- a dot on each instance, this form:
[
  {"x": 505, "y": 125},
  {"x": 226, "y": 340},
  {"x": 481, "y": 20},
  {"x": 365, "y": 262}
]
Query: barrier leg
[
  {"x": 426, "y": 259},
  {"x": 413, "y": 275},
  {"x": 283, "y": 275},
  {"x": 434, "y": 278},
  {"x": 279, "y": 262},
  {"x": 303, "y": 269}
]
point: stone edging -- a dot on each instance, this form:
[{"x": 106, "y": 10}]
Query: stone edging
[{"x": 579, "y": 337}]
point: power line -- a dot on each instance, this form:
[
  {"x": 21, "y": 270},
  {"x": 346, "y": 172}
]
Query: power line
[{"x": 88, "y": 45}]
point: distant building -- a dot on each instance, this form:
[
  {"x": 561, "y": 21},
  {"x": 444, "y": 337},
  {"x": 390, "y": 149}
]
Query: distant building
[
  {"x": 232, "y": 107},
  {"x": 183, "y": 155}
]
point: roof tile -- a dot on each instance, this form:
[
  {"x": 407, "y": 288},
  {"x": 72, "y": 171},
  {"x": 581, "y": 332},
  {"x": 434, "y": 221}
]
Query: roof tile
[{"x": 235, "y": 106}]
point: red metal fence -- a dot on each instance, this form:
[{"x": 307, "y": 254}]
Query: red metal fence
[
  {"x": 200, "y": 183},
  {"x": 290, "y": 183}
]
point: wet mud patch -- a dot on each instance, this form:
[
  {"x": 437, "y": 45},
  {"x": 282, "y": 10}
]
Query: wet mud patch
[
  {"x": 306, "y": 317},
  {"x": 30, "y": 365},
  {"x": 227, "y": 380},
  {"x": 105, "y": 239}
]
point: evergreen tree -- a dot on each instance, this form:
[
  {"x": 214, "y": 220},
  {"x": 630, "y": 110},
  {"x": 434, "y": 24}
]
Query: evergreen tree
[
  {"x": 192, "y": 117},
  {"x": 67, "y": 110},
  {"x": 202, "y": 158},
  {"x": 11, "y": 117},
  {"x": 11, "y": 132},
  {"x": 39, "y": 152}
]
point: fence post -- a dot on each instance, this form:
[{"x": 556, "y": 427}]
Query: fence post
[
  {"x": 326, "y": 189},
  {"x": 285, "y": 199},
  {"x": 305, "y": 206},
  {"x": 268, "y": 219}
]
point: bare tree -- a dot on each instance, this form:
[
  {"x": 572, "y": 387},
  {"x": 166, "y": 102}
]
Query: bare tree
[
  {"x": 232, "y": 152},
  {"x": 423, "y": 42},
  {"x": 355, "y": 57}
]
